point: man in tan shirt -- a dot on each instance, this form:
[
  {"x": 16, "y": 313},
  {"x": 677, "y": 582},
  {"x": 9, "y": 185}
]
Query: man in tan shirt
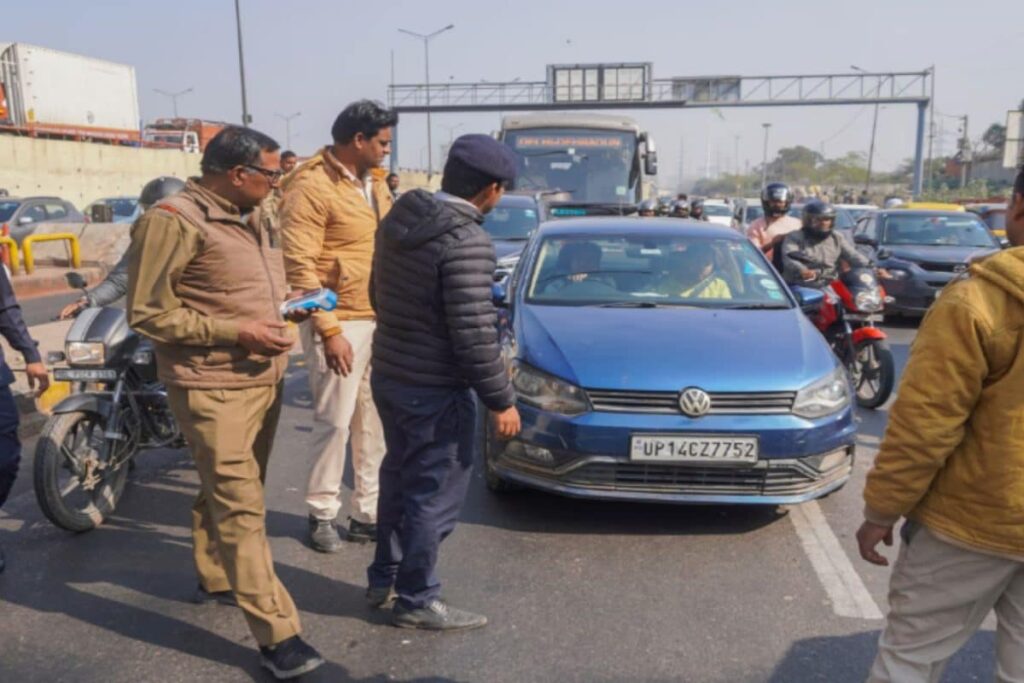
[
  {"x": 332, "y": 206},
  {"x": 205, "y": 284}
]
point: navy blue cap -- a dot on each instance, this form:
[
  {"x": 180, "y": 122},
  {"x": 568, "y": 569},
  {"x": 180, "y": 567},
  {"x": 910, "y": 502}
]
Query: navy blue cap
[{"x": 484, "y": 154}]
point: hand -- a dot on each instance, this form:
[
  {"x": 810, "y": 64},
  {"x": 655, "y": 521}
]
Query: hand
[
  {"x": 300, "y": 315},
  {"x": 868, "y": 537},
  {"x": 37, "y": 375},
  {"x": 884, "y": 274},
  {"x": 808, "y": 275},
  {"x": 265, "y": 337},
  {"x": 507, "y": 422},
  {"x": 339, "y": 354},
  {"x": 73, "y": 309}
]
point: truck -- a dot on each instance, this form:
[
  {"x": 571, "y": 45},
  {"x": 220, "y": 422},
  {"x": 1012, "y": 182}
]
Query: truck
[
  {"x": 53, "y": 94},
  {"x": 189, "y": 135},
  {"x": 598, "y": 164}
]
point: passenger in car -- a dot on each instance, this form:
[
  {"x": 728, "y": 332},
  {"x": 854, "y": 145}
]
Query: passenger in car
[{"x": 691, "y": 274}]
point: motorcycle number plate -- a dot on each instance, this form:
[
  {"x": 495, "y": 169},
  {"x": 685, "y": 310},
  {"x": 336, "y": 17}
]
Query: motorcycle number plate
[{"x": 82, "y": 375}]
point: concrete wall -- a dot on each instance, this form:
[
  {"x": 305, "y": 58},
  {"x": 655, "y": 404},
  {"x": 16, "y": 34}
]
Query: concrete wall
[{"x": 82, "y": 172}]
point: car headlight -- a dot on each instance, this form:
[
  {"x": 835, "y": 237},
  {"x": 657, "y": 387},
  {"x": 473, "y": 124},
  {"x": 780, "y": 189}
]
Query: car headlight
[
  {"x": 548, "y": 393},
  {"x": 868, "y": 301},
  {"x": 824, "y": 397},
  {"x": 85, "y": 353}
]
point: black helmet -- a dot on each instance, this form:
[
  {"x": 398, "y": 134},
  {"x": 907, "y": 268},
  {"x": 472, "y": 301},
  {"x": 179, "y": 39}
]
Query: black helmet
[
  {"x": 817, "y": 209},
  {"x": 159, "y": 188},
  {"x": 697, "y": 205},
  {"x": 648, "y": 206},
  {"x": 774, "y": 192},
  {"x": 680, "y": 209}
]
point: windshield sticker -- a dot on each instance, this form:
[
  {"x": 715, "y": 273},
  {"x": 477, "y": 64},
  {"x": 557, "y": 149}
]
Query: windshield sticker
[
  {"x": 769, "y": 284},
  {"x": 621, "y": 190},
  {"x": 530, "y": 213}
]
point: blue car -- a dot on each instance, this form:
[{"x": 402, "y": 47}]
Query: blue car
[{"x": 664, "y": 360}]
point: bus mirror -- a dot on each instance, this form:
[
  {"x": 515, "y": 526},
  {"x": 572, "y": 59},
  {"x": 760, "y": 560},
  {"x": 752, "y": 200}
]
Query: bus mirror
[{"x": 651, "y": 163}]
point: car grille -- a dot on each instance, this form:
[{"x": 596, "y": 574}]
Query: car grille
[
  {"x": 942, "y": 267},
  {"x": 765, "y": 478},
  {"x": 667, "y": 402}
]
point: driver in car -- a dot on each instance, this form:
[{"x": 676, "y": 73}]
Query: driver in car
[
  {"x": 691, "y": 275},
  {"x": 578, "y": 262}
]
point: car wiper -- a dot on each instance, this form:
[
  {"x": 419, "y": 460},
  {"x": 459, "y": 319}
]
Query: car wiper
[
  {"x": 754, "y": 307},
  {"x": 630, "y": 304}
]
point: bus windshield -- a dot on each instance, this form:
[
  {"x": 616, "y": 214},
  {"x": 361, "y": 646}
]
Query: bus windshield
[{"x": 592, "y": 166}]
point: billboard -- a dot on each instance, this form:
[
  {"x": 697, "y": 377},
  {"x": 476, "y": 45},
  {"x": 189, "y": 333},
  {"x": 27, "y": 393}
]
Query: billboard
[
  {"x": 1013, "y": 150},
  {"x": 706, "y": 89},
  {"x": 600, "y": 82}
]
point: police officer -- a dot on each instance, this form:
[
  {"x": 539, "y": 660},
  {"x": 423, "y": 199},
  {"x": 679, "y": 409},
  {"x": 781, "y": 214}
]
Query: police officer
[
  {"x": 436, "y": 343},
  {"x": 12, "y": 327}
]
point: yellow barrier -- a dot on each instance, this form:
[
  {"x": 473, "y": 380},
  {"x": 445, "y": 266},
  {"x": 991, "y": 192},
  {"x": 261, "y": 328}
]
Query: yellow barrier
[
  {"x": 12, "y": 246},
  {"x": 26, "y": 247}
]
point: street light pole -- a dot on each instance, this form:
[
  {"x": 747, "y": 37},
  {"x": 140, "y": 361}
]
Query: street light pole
[
  {"x": 931, "y": 127},
  {"x": 764, "y": 162},
  {"x": 174, "y": 97},
  {"x": 426, "y": 38},
  {"x": 288, "y": 127},
  {"x": 246, "y": 119}
]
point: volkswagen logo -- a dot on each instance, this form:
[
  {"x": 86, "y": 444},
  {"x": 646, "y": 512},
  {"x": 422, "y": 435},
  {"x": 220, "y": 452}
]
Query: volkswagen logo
[{"x": 694, "y": 402}]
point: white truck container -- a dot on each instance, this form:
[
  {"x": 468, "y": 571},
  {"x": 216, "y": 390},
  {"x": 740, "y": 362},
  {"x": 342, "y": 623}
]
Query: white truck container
[{"x": 58, "y": 94}]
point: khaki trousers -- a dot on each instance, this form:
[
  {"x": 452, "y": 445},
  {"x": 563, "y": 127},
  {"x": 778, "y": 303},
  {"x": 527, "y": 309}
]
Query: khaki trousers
[
  {"x": 230, "y": 433},
  {"x": 938, "y": 597},
  {"x": 343, "y": 407}
]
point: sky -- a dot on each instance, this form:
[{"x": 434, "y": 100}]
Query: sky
[{"x": 315, "y": 56}]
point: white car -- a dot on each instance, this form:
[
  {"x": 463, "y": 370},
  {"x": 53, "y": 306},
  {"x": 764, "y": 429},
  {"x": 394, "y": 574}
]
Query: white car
[{"x": 718, "y": 211}]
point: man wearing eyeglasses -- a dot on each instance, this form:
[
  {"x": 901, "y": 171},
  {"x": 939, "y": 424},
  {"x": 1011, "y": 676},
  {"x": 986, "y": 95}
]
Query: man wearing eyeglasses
[
  {"x": 332, "y": 206},
  {"x": 206, "y": 284}
]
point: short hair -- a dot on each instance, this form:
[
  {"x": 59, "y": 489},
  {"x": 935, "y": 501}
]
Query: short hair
[
  {"x": 365, "y": 116},
  {"x": 391, "y": 175},
  {"x": 288, "y": 154},
  {"x": 464, "y": 181},
  {"x": 236, "y": 146}
]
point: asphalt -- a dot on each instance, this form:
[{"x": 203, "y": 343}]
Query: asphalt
[
  {"x": 575, "y": 591},
  {"x": 44, "y": 309}
]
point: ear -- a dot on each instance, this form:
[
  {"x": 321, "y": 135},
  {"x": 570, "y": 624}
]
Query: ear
[
  {"x": 359, "y": 140},
  {"x": 237, "y": 176}
]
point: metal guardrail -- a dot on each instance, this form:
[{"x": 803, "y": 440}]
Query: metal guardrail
[
  {"x": 12, "y": 249},
  {"x": 28, "y": 242}
]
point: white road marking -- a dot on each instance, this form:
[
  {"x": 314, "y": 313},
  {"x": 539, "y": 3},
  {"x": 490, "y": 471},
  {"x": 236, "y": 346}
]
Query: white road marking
[{"x": 845, "y": 589}]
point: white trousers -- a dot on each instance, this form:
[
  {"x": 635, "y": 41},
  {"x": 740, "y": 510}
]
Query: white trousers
[{"x": 343, "y": 407}]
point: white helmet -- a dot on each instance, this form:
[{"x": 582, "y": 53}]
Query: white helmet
[{"x": 893, "y": 203}]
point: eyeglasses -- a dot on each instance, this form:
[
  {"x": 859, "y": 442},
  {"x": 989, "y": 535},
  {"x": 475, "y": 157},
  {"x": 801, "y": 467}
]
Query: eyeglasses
[{"x": 272, "y": 176}]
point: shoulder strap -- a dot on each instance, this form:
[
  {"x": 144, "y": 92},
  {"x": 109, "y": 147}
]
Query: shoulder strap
[{"x": 186, "y": 208}]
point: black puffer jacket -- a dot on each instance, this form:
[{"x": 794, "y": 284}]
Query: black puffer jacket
[{"x": 433, "y": 267}]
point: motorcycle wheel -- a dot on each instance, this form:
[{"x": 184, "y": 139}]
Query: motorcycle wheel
[
  {"x": 69, "y": 500},
  {"x": 874, "y": 373}
]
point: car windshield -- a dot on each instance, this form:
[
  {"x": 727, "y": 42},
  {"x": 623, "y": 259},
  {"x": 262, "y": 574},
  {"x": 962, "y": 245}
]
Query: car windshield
[
  {"x": 717, "y": 210},
  {"x": 511, "y": 222},
  {"x": 123, "y": 208},
  {"x": 651, "y": 270},
  {"x": 593, "y": 166},
  {"x": 957, "y": 230},
  {"x": 7, "y": 210}
]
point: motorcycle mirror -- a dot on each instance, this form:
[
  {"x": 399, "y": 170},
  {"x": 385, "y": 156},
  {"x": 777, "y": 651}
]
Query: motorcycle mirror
[
  {"x": 883, "y": 254},
  {"x": 75, "y": 280}
]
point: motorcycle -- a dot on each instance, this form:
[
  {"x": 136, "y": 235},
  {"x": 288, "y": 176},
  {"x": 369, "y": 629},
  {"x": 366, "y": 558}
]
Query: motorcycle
[
  {"x": 118, "y": 409},
  {"x": 854, "y": 302}
]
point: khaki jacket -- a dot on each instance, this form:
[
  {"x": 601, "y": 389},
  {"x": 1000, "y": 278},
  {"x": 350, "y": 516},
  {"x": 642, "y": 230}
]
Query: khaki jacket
[
  {"x": 953, "y": 455},
  {"x": 197, "y": 271},
  {"x": 328, "y": 230}
]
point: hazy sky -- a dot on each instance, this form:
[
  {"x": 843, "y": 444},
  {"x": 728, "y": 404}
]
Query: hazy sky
[{"x": 315, "y": 56}]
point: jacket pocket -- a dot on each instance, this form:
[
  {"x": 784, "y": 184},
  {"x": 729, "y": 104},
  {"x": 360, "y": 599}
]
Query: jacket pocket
[
  {"x": 336, "y": 275},
  {"x": 224, "y": 355}
]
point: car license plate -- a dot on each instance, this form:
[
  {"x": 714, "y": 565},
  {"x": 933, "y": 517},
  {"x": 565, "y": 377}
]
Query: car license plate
[
  {"x": 694, "y": 449},
  {"x": 81, "y": 375}
]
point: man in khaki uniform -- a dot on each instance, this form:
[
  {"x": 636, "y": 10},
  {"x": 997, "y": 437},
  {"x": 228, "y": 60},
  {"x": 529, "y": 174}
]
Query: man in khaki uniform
[
  {"x": 332, "y": 206},
  {"x": 205, "y": 283}
]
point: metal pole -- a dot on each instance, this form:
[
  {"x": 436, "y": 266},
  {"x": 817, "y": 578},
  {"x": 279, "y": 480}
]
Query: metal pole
[
  {"x": 919, "y": 151},
  {"x": 764, "y": 162},
  {"x": 871, "y": 150},
  {"x": 931, "y": 129},
  {"x": 430, "y": 144},
  {"x": 246, "y": 119},
  {"x": 965, "y": 143}
]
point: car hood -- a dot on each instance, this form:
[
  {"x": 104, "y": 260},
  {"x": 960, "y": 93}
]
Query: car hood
[
  {"x": 937, "y": 254},
  {"x": 667, "y": 349},
  {"x": 503, "y": 248}
]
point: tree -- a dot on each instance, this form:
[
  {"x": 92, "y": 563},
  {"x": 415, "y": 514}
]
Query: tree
[{"x": 995, "y": 136}]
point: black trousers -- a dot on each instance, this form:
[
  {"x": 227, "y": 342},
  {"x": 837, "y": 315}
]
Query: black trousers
[
  {"x": 10, "y": 446},
  {"x": 430, "y": 434}
]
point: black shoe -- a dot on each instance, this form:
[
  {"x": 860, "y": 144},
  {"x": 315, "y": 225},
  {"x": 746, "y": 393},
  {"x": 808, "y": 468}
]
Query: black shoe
[
  {"x": 323, "y": 535},
  {"x": 290, "y": 658},
  {"x": 3, "y": 560},
  {"x": 361, "y": 532},
  {"x": 381, "y": 598},
  {"x": 436, "y": 616},
  {"x": 205, "y": 597}
]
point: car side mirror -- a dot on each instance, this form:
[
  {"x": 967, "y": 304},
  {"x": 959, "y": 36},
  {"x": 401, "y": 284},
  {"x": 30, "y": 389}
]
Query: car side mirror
[
  {"x": 499, "y": 295},
  {"x": 25, "y": 220},
  {"x": 883, "y": 254},
  {"x": 75, "y": 280},
  {"x": 810, "y": 299},
  {"x": 865, "y": 240}
]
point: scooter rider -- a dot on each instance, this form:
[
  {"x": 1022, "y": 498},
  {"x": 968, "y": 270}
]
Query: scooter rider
[
  {"x": 648, "y": 208},
  {"x": 115, "y": 286},
  {"x": 768, "y": 231},
  {"x": 817, "y": 241},
  {"x": 697, "y": 210}
]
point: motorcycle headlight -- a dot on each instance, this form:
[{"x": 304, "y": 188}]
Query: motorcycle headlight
[
  {"x": 868, "y": 301},
  {"x": 827, "y": 396},
  {"x": 548, "y": 393},
  {"x": 85, "y": 353}
]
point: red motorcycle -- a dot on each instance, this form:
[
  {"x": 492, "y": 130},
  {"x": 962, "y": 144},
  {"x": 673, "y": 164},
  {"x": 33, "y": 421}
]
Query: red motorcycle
[{"x": 854, "y": 302}]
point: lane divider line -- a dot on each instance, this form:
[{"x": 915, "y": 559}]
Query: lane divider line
[{"x": 842, "y": 583}]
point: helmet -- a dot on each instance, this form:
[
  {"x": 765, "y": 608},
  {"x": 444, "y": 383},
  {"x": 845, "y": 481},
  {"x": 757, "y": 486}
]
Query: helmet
[
  {"x": 648, "y": 206},
  {"x": 697, "y": 205},
  {"x": 893, "y": 203},
  {"x": 680, "y": 209},
  {"x": 159, "y": 188},
  {"x": 774, "y": 192},
  {"x": 817, "y": 209}
]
